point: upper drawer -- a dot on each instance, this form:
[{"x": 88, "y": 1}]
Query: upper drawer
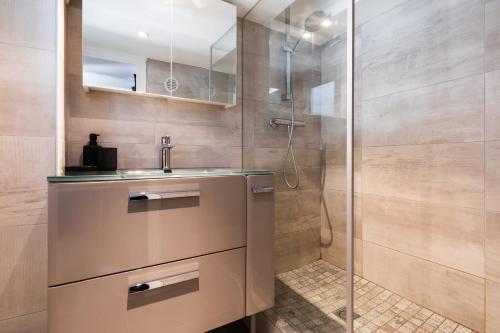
[{"x": 96, "y": 229}]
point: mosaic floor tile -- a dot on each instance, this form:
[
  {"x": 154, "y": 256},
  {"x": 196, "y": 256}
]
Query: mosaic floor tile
[{"x": 308, "y": 298}]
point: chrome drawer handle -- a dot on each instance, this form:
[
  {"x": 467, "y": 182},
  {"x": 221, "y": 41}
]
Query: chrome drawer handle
[
  {"x": 262, "y": 189},
  {"x": 163, "y": 282},
  {"x": 136, "y": 196}
]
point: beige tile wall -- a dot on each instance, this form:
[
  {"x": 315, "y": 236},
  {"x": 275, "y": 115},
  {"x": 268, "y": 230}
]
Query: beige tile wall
[
  {"x": 422, "y": 124},
  {"x": 297, "y": 211},
  {"x": 492, "y": 176},
  {"x": 203, "y": 135},
  {"x": 427, "y": 154},
  {"x": 27, "y": 157}
]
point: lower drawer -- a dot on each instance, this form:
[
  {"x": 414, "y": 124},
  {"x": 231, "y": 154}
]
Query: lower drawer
[{"x": 191, "y": 296}]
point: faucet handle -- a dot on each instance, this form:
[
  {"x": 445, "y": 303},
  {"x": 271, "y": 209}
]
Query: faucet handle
[{"x": 165, "y": 140}]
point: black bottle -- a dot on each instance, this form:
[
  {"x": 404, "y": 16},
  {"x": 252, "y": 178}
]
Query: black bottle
[{"x": 91, "y": 151}]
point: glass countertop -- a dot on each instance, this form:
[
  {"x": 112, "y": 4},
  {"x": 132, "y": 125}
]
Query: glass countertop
[{"x": 151, "y": 174}]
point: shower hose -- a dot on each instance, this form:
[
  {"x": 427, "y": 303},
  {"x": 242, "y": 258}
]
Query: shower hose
[{"x": 290, "y": 153}]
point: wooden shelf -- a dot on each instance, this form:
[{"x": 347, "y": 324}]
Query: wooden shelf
[{"x": 89, "y": 89}]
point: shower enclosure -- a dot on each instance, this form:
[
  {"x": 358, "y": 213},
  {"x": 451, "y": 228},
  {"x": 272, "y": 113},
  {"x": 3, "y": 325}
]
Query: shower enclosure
[
  {"x": 295, "y": 115},
  {"x": 386, "y": 157}
]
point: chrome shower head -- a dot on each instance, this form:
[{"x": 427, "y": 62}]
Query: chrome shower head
[{"x": 316, "y": 21}]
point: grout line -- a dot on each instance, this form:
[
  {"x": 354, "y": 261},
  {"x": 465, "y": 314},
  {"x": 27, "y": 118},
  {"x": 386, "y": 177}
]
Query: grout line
[
  {"x": 362, "y": 101},
  {"x": 22, "y": 315},
  {"x": 421, "y": 202},
  {"x": 28, "y": 47},
  {"x": 425, "y": 144},
  {"x": 25, "y": 136},
  {"x": 19, "y": 226},
  {"x": 424, "y": 259}
]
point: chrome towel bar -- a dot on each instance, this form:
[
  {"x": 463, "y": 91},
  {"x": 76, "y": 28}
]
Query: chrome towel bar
[{"x": 262, "y": 189}]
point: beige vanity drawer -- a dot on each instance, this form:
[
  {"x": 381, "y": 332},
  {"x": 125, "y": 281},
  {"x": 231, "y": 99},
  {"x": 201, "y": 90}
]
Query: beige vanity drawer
[
  {"x": 199, "y": 294},
  {"x": 95, "y": 229}
]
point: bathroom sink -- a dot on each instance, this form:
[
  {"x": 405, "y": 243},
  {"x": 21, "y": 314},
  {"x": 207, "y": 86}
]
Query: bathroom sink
[{"x": 156, "y": 172}]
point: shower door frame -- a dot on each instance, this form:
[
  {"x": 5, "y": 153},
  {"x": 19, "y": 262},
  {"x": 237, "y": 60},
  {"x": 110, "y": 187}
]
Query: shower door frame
[{"x": 350, "y": 166}]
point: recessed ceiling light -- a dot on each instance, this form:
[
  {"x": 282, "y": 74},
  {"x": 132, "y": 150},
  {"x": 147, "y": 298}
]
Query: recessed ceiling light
[
  {"x": 326, "y": 23},
  {"x": 306, "y": 35},
  {"x": 143, "y": 34}
]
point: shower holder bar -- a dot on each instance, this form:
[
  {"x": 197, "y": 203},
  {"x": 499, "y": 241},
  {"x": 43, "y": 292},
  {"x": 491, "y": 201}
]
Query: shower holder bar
[{"x": 275, "y": 122}]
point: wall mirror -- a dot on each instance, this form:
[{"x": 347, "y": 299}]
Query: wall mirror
[{"x": 174, "y": 48}]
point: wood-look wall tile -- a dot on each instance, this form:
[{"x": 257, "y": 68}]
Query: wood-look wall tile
[
  {"x": 448, "y": 112},
  {"x": 335, "y": 177},
  {"x": 27, "y": 91},
  {"x": 492, "y": 177},
  {"x": 106, "y": 105},
  {"x": 255, "y": 39},
  {"x": 29, "y": 23},
  {"x": 183, "y": 134},
  {"x": 492, "y": 246},
  {"x": 449, "y": 174},
  {"x": 30, "y": 323},
  {"x": 334, "y": 133},
  {"x": 334, "y": 250},
  {"x": 333, "y": 213},
  {"x": 293, "y": 250},
  {"x": 206, "y": 157},
  {"x": 394, "y": 59},
  {"x": 492, "y": 104},
  {"x": 22, "y": 207},
  {"x": 110, "y": 131},
  {"x": 492, "y": 306},
  {"x": 200, "y": 114},
  {"x": 255, "y": 77},
  {"x": 369, "y": 9},
  {"x": 310, "y": 179},
  {"x": 428, "y": 284},
  {"x": 297, "y": 210},
  {"x": 272, "y": 158},
  {"x": 450, "y": 236},
  {"x": 492, "y": 38},
  {"x": 74, "y": 41},
  {"x": 308, "y": 137},
  {"x": 23, "y": 282},
  {"x": 26, "y": 162}
]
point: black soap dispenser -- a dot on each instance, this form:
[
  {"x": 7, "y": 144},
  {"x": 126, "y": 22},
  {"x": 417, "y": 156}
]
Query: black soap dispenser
[{"x": 91, "y": 151}]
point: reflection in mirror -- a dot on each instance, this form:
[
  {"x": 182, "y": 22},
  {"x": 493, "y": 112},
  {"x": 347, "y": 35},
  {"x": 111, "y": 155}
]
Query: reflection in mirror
[{"x": 179, "y": 48}]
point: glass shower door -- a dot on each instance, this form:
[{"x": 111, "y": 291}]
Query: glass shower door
[{"x": 295, "y": 122}]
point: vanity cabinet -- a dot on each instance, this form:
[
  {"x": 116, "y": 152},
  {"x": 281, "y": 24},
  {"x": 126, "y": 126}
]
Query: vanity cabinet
[{"x": 159, "y": 255}]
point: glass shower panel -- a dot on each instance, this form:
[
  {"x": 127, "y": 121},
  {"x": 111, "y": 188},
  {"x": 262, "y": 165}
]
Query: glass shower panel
[{"x": 294, "y": 91}]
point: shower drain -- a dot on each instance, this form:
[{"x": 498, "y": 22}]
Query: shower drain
[{"x": 342, "y": 314}]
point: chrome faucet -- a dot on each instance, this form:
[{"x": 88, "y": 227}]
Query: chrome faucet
[{"x": 166, "y": 146}]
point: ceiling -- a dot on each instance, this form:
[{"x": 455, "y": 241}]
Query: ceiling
[{"x": 244, "y": 6}]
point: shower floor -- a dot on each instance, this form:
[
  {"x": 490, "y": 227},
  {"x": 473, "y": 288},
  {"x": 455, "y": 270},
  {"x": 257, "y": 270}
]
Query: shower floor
[{"x": 308, "y": 298}]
